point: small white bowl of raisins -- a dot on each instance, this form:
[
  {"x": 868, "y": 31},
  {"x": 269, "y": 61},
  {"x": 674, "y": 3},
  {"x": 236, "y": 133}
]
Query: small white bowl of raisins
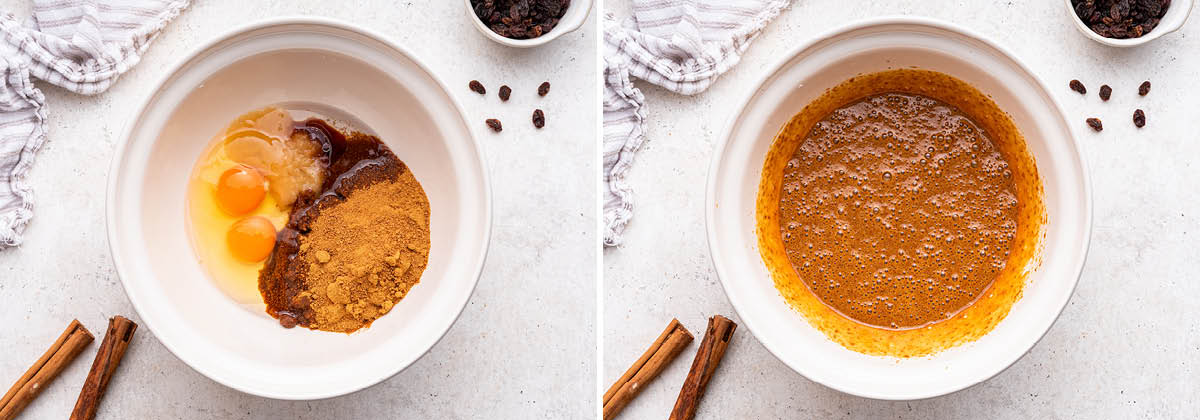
[
  {"x": 1128, "y": 23},
  {"x": 527, "y": 23}
]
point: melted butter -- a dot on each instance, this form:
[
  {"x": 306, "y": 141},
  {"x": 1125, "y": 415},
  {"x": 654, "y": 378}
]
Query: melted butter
[{"x": 899, "y": 213}]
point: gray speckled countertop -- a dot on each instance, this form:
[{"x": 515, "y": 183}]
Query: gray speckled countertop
[
  {"x": 536, "y": 298},
  {"x": 1126, "y": 346}
]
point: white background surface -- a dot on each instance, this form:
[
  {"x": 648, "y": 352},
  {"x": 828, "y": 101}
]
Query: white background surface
[
  {"x": 524, "y": 345},
  {"x": 1126, "y": 346}
]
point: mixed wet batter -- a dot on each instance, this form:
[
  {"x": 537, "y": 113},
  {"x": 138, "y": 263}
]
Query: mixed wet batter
[
  {"x": 900, "y": 213},
  {"x": 897, "y": 210}
]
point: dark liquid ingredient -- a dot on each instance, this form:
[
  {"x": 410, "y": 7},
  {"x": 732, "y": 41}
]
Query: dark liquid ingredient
[
  {"x": 897, "y": 211},
  {"x": 350, "y": 163}
]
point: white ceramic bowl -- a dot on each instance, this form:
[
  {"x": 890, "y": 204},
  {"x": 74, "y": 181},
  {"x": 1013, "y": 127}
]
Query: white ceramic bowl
[
  {"x": 867, "y": 47},
  {"x": 1176, "y": 16},
  {"x": 350, "y": 72},
  {"x": 575, "y": 16}
]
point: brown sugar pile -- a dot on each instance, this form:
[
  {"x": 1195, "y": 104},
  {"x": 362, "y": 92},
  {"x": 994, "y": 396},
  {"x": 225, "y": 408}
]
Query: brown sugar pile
[
  {"x": 354, "y": 249},
  {"x": 364, "y": 254}
]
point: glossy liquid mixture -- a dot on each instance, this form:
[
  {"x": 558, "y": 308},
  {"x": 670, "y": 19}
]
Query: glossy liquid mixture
[{"x": 897, "y": 210}]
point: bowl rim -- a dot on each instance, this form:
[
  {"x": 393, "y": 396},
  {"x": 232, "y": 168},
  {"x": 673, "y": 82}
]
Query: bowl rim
[
  {"x": 1164, "y": 27},
  {"x": 566, "y": 26},
  {"x": 716, "y": 254},
  {"x": 120, "y": 154}
]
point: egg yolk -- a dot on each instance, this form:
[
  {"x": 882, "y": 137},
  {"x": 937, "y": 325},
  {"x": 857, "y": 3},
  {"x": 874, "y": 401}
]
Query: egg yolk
[
  {"x": 251, "y": 239},
  {"x": 240, "y": 190}
]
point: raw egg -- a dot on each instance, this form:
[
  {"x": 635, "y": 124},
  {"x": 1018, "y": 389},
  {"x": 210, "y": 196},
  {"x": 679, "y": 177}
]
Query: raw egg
[
  {"x": 240, "y": 190},
  {"x": 251, "y": 239}
]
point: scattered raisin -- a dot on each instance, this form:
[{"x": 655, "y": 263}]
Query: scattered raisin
[
  {"x": 520, "y": 19},
  {"x": 1095, "y": 124},
  {"x": 1139, "y": 118},
  {"x": 539, "y": 119},
  {"x": 1105, "y": 92},
  {"x": 544, "y": 89},
  {"x": 1078, "y": 87},
  {"x": 1121, "y": 18},
  {"x": 494, "y": 124},
  {"x": 287, "y": 321},
  {"x": 505, "y": 92},
  {"x": 1144, "y": 88},
  {"x": 477, "y": 87}
]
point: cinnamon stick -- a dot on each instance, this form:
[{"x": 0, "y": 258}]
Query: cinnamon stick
[
  {"x": 646, "y": 368},
  {"x": 712, "y": 349},
  {"x": 112, "y": 349},
  {"x": 54, "y": 361}
]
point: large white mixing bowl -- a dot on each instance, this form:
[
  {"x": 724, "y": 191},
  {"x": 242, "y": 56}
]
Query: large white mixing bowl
[
  {"x": 342, "y": 71},
  {"x": 803, "y": 75}
]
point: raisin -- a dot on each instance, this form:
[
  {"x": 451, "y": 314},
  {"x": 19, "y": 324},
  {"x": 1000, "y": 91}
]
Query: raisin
[
  {"x": 544, "y": 89},
  {"x": 1144, "y": 88},
  {"x": 287, "y": 321},
  {"x": 1139, "y": 118},
  {"x": 1095, "y": 124},
  {"x": 1121, "y": 18},
  {"x": 505, "y": 92},
  {"x": 520, "y": 19},
  {"x": 477, "y": 87},
  {"x": 494, "y": 124},
  {"x": 1078, "y": 87},
  {"x": 1105, "y": 92},
  {"x": 539, "y": 119}
]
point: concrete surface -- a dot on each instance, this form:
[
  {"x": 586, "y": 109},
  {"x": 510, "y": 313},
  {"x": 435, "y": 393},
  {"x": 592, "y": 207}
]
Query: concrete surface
[
  {"x": 523, "y": 348},
  {"x": 1128, "y": 344}
]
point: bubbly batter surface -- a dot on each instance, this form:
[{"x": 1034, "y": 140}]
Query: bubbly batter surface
[
  {"x": 897, "y": 210},
  {"x": 900, "y": 213}
]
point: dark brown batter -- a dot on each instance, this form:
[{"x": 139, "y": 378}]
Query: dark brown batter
[
  {"x": 897, "y": 210},
  {"x": 891, "y": 269}
]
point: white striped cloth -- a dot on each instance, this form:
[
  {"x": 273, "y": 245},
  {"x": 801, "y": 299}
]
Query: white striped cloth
[
  {"x": 681, "y": 45},
  {"x": 80, "y": 45}
]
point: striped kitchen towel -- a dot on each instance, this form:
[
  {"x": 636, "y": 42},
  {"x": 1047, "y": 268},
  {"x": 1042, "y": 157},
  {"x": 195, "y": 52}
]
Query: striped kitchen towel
[
  {"x": 681, "y": 45},
  {"x": 80, "y": 45}
]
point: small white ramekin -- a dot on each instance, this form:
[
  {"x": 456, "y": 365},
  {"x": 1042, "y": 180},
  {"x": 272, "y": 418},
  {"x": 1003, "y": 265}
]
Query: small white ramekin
[
  {"x": 574, "y": 18},
  {"x": 1176, "y": 16}
]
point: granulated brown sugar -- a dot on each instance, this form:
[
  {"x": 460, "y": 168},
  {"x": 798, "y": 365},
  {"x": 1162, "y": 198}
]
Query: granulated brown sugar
[
  {"x": 365, "y": 254},
  {"x": 352, "y": 250}
]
